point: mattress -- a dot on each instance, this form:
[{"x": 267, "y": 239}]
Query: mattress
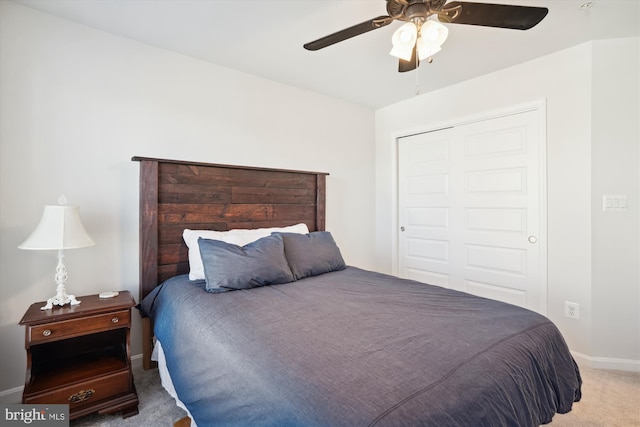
[{"x": 356, "y": 348}]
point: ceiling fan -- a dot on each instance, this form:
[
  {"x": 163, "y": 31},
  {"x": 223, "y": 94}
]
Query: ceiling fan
[{"x": 421, "y": 37}]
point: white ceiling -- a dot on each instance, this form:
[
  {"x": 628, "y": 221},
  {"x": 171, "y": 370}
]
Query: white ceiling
[{"x": 265, "y": 38}]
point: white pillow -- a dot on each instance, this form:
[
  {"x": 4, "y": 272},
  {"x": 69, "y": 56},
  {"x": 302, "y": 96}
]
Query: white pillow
[{"x": 238, "y": 237}]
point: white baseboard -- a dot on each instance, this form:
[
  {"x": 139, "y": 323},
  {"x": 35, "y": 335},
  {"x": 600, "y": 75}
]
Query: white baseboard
[
  {"x": 136, "y": 361},
  {"x": 13, "y": 395},
  {"x": 608, "y": 363}
]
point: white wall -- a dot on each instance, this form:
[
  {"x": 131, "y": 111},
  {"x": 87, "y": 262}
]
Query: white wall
[
  {"x": 589, "y": 90},
  {"x": 615, "y": 152},
  {"x": 76, "y": 104}
]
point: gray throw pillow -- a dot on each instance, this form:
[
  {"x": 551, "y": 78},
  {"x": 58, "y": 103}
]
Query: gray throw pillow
[
  {"x": 228, "y": 266},
  {"x": 312, "y": 254}
]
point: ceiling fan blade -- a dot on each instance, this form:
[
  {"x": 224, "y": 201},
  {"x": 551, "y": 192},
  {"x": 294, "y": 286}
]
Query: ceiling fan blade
[
  {"x": 495, "y": 15},
  {"x": 412, "y": 64},
  {"x": 347, "y": 33}
]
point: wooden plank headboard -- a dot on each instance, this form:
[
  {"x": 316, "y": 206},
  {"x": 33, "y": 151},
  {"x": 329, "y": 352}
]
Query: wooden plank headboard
[{"x": 175, "y": 195}]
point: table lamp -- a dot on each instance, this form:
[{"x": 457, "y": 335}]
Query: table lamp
[{"x": 59, "y": 228}]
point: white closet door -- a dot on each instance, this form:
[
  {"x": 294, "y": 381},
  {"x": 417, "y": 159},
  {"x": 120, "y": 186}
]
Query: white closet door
[{"x": 469, "y": 209}]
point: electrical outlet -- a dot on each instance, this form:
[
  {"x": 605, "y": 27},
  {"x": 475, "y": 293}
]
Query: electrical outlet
[{"x": 572, "y": 310}]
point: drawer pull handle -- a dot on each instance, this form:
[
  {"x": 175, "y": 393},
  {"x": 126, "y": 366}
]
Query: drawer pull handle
[
  {"x": 81, "y": 396},
  {"x": 115, "y": 319},
  {"x": 46, "y": 332}
]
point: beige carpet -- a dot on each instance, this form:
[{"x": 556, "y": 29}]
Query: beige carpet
[{"x": 609, "y": 399}]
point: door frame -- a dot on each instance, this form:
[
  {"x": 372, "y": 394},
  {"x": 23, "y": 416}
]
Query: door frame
[{"x": 540, "y": 107}]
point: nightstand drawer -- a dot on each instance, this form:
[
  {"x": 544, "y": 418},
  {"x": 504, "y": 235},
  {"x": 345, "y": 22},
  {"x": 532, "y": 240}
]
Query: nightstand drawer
[
  {"x": 85, "y": 393},
  {"x": 69, "y": 328}
]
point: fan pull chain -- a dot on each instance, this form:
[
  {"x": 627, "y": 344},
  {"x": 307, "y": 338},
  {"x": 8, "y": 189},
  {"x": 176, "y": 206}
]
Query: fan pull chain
[{"x": 417, "y": 76}]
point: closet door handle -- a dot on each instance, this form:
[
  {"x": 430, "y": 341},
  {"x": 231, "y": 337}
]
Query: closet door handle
[{"x": 532, "y": 239}]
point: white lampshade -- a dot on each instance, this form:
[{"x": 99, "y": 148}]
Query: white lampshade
[
  {"x": 404, "y": 39},
  {"x": 59, "y": 228}
]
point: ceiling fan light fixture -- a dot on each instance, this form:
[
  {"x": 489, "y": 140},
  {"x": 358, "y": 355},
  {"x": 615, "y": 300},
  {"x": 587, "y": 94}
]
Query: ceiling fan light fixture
[{"x": 403, "y": 40}]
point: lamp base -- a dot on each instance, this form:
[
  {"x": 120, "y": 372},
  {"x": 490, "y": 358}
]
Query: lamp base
[{"x": 60, "y": 299}]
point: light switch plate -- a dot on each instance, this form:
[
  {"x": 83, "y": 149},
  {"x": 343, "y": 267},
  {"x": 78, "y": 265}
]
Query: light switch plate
[{"x": 614, "y": 203}]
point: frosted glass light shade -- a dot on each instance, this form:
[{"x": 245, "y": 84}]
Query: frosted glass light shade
[
  {"x": 425, "y": 50},
  {"x": 59, "y": 228},
  {"x": 434, "y": 33},
  {"x": 404, "y": 39},
  {"x": 432, "y": 36}
]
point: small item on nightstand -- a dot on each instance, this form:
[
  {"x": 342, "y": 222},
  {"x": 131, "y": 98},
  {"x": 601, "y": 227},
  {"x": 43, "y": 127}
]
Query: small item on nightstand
[{"x": 109, "y": 294}]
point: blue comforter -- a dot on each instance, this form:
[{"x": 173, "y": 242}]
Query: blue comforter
[{"x": 358, "y": 348}]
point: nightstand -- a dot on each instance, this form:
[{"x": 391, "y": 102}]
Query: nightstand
[{"x": 79, "y": 355}]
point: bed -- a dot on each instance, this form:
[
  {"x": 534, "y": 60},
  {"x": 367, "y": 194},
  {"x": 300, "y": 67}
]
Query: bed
[{"x": 311, "y": 340}]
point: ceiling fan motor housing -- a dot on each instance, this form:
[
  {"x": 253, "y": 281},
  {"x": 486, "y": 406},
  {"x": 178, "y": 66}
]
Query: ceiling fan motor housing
[
  {"x": 417, "y": 13},
  {"x": 413, "y": 10}
]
